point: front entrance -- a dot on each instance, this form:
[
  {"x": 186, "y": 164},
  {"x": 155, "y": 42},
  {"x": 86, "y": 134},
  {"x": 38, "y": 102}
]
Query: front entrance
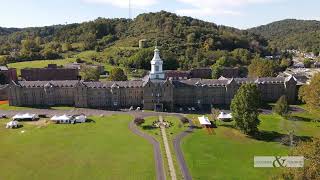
[{"x": 158, "y": 107}]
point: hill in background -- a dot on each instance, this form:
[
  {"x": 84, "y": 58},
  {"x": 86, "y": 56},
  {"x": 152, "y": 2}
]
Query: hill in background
[
  {"x": 186, "y": 42},
  {"x": 291, "y": 34}
]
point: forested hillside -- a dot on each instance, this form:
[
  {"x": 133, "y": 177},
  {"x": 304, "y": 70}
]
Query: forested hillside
[
  {"x": 292, "y": 34},
  {"x": 186, "y": 42}
]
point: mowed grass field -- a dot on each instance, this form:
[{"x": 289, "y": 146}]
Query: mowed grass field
[
  {"x": 104, "y": 149},
  {"x": 229, "y": 154},
  {"x": 39, "y": 63}
]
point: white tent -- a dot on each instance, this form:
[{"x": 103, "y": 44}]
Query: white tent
[
  {"x": 224, "y": 116},
  {"x": 80, "y": 119},
  {"x": 204, "y": 120},
  {"x": 25, "y": 116},
  {"x": 12, "y": 124},
  {"x": 61, "y": 119},
  {"x": 66, "y": 119}
]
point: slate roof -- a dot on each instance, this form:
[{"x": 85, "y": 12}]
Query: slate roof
[
  {"x": 73, "y": 83},
  {"x": 30, "y": 84},
  {"x": 140, "y": 83}
]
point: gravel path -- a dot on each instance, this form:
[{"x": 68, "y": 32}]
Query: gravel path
[
  {"x": 177, "y": 147},
  {"x": 167, "y": 150},
  {"x": 156, "y": 148}
]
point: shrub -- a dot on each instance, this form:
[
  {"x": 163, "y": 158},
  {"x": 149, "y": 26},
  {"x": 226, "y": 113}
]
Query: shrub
[
  {"x": 184, "y": 120},
  {"x": 139, "y": 121}
]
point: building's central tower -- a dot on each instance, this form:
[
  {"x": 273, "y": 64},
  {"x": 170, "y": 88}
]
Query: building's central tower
[{"x": 156, "y": 66}]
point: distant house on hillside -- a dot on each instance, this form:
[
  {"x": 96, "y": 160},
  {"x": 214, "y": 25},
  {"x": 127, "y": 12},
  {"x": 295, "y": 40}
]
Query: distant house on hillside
[{"x": 299, "y": 65}]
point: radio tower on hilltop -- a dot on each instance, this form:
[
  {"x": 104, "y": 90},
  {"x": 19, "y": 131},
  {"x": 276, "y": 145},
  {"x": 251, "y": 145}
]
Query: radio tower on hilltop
[{"x": 130, "y": 9}]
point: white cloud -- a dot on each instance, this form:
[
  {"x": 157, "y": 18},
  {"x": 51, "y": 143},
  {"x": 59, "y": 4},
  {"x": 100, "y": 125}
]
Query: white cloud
[
  {"x": 125, "y": 3},
  {"x": 215, "y": 7}
]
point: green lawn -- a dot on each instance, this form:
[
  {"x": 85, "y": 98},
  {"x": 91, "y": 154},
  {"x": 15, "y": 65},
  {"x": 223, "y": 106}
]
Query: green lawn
[
  {"x": 229, "y": 154},
  {"x": 97, "y": 150},
  {"x": 39, "y": 63},
  {"x": 172, "y": 131}
]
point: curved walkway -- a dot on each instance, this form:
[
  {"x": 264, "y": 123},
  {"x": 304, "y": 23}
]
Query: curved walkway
[
  {"x": 177, "y": 147},
  {"x": 156, "y": 148}
]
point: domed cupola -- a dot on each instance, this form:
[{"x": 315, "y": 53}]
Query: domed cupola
[{"x": 156, "y": 66}]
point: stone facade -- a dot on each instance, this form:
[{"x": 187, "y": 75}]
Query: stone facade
[
  {"x": 52, "y": 72},
  {"x": 168, "y": 95}
]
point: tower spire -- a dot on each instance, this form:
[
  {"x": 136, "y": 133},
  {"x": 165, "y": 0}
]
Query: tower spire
[{"x": 156, "y": 66}]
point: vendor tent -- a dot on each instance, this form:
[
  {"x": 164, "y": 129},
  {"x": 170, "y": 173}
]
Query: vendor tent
[
  {"x": 12, "y": 124},
  {"x": 66, "y": 119},
  {"x": 61, "y": 119},
  {"x": 204, "y": 120},
  {"x": 26, "y": 116},
  {"x": 80, "y": 118},
  {"x": 224, "y": 116}
]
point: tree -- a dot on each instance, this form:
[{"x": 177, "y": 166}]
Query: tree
[
  {"x": 66, "y": 47},
  {"x": 141, "y": 60},
  {"x": 89, "y": 73},
  {"x": 285, "y": 63},
  {"x": 139, "y": 121},
  {"x": 282, "y": 106},
  {"x": 244, "y": 107},
  {"x": 117, "y": 74},
  {"x": 310, "y": 93},
  {"x": 311, "y": 153},
  {"x": 307, "y": 63},
  {"x": 216, "y": 71},
  {"x": 262, "y": 68}
]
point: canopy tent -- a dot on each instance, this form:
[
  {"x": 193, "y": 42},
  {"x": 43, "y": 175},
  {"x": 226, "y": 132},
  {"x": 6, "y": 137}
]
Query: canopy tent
[
  {"x": 61, "y": 119},
  {"x": 224, "y": 116},
  {"x": 204, "y": 120},
  {"x": 69, "y": 119},
  {"x": 12, "y": 124},
  {"x": 25, "y": 116},
  {"x": 80, "y": 118}
]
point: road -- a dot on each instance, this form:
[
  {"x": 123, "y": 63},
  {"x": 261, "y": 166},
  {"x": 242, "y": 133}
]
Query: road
[
  {"x": 87, "y": 112},
  {"x": 156, "y": 148},
  {"x": 177, "y": 147}
]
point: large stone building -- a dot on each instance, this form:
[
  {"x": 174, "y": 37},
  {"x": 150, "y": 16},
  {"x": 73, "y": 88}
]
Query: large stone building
[
  {"x": 52, "y": 72},
  {"x": 154, "y": 92}
]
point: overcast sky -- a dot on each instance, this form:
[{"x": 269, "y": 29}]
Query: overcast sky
[{"x": 237, "y": 13}]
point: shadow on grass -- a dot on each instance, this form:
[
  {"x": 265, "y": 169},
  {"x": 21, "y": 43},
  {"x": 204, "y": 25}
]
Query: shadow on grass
[
  {"x": 91, "y": 121},
  {"x": 298, "y": 118},
  {"x": 148, "y": 127},
  {"x": 272, "y": 136}
]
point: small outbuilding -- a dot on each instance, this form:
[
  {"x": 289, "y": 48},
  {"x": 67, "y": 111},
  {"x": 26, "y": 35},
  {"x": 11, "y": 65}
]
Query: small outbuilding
[
  {"x": 25, "y": 117},
  {"x": 13, "y": 125}
]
